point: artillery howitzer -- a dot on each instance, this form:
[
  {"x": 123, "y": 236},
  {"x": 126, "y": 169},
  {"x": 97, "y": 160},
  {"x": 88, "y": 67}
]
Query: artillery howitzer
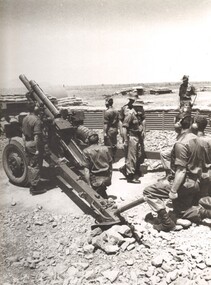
[{"x": 62, "y": 151}]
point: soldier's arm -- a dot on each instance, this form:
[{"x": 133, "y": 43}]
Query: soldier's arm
[
  {"x": 181, "y": 160},
  {"x": 193, "y": 90},
  {"x": 125, "y": 127},
  {"x": 106, "y": 122},
  {"x": 37, "y": 139},
  {"x": 87, "y": 175},
  {"x": 105, "y": 128},
  {"x": 144, "y": 127},
  {"x": 178, "y": 181},
  {"x": 87, "y": 167},
  {"x": 120, "y": 122}
]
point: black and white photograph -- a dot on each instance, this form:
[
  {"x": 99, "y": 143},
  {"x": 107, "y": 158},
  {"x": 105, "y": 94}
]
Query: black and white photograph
[{"x": 105, "y": 142}]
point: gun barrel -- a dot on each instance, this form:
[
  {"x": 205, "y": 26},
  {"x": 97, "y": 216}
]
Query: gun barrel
[
  {"x": 47, "y": 103},
  {"x": 34, "y": 96},
  {"x": 25, "y": 81}
]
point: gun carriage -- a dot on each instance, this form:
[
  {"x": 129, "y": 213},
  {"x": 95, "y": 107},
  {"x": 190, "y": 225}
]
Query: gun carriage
[
  {"x": 62, "y": 150},
  {"x": 64, "y": 142}
]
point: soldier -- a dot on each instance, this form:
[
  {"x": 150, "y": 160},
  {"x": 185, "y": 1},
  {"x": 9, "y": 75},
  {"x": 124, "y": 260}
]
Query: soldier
[
  {"x": 134, "y": 130},
  {"x": 187, "y": 162},
  {"x": 165, "y": 155},
  {"x": 33, "y": 138},
  {"x": 98, "y": 169},
  {"x": 128, "y": 108},
  {"x": 111, "y": 121},
  {"x": 186, "y": 91},
  {"x": 199, "y": 126}
]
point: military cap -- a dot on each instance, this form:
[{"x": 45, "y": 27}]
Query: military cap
[
  {"x": 132, "y": 96},
  {"x": 185, "y": 77},
  {"x": 109, "y": 100}
]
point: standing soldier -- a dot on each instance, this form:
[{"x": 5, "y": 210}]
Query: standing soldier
[
  {"x": 111, "y": 121},
  {"x": 186, "y": 91},
  {"x": 98, "y": 168},
  {"x": 33, "y": 138},
  {"x": 134, "y": 130},
  {"x": 128, "y": 108}
]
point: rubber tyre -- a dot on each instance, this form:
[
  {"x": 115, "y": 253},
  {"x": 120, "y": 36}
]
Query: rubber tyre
[{"x": 16, "y": 146}]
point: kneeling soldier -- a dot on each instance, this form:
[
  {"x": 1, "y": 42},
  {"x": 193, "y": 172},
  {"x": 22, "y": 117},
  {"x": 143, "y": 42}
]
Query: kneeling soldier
[{"x": 98, "y": 168}]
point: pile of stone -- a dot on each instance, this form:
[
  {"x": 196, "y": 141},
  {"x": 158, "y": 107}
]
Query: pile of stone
[{"x": 39, "y": 247}]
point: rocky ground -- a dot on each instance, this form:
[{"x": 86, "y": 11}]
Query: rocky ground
[{"x": 42, "y": 246}]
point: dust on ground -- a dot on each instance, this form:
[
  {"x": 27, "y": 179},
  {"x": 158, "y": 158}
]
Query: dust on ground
[{"x": 45, "y": 239}]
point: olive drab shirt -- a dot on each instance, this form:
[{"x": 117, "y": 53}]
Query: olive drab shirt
[
  {"x": 188, "y": 153},
  {"x": 31, "y": 126},
  {"x": 111, "y": 118},
  {"x": 98, "y": 158},
  {"x": 124, "y": 111},
  {"x": 205, "y": 141},
  {"x": 186, "y": 90},
  {"x": 134, "y": 123}
]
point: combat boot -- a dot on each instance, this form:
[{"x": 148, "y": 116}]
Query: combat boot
[
  {"x": 167, "y": 224},
  {"x": 205, "y": 214},
  {"x": 36, "y": 191}
]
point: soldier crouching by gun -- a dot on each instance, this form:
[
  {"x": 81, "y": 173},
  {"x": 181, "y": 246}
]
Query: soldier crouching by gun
[
  {"x": 33, "y": 139},
  {"x": 98, "y": 168}
]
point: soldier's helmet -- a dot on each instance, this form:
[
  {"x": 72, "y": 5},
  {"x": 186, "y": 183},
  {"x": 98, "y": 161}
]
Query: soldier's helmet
[{"x": 93, "y": 138}]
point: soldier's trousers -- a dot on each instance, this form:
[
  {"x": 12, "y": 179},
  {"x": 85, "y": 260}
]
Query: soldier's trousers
[
  {"x": 165, "y": 157},
  {"x": 183, "y": 207},
  {"x": 100, "y": 182},
  {"x": 135, "y": 156},
  {"x": 111, "y": 141},
  {"x": 35, "y": 163}
]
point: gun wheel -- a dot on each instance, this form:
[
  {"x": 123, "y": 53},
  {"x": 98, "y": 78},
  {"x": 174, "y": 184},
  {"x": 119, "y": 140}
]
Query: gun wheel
[{"x": 15, "y": 163}]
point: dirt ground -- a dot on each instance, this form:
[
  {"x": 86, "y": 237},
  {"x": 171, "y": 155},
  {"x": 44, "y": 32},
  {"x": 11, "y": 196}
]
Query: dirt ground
[{"x": 44, "y": 238}]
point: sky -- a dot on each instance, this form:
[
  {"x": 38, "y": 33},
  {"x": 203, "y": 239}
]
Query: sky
[{"x": 86, "y": 42}]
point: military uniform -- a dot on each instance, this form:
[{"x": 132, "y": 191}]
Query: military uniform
[
  {"x": 135, "y": 148},
  {"x": 205, "y": 182},
  {"x": 111, "y": 121},
  {"x": 31, "y": 127},
  {"x": 187, "y": 153},
  {"x": 186, "y": 90},
  {"x": 99, "y": 164},
  {"x": 124, "y": 111}
]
